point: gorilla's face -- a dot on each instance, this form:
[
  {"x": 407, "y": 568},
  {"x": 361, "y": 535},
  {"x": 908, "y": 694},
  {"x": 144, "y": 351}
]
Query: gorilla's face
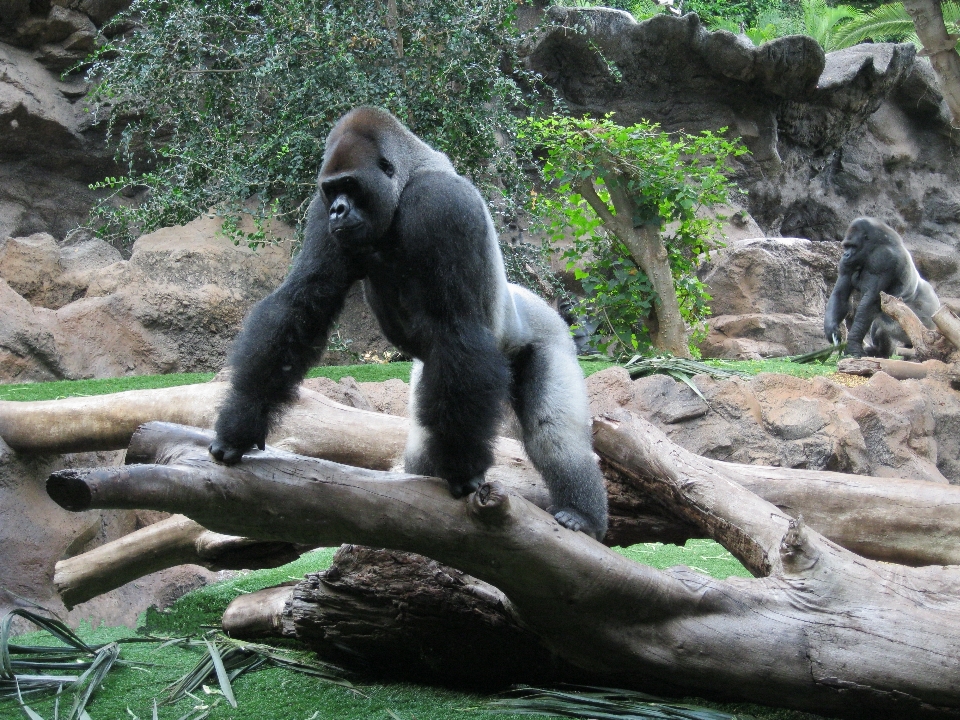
[
  {"x": 855, "y": 245},
  {"x": 359, "y": 186}
]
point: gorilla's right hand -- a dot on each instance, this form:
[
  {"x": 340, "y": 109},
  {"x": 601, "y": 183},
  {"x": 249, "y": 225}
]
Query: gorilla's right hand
[
  {"x": 237, "y": 433},
  {"x": 831, "y": 330},
  {"x": 228, "y": 454}
]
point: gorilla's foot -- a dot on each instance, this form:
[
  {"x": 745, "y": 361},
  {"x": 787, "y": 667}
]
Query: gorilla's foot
[
  {"x": 574, "y": 520},
  {"x": 461, "y": 488}
]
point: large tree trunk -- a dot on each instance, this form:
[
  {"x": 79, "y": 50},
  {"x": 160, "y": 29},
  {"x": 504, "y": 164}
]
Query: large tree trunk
[
  {"x": 821, "y": 629},
  {"x": 940, "y": 46},
  {"x": 405, "y": 616}
]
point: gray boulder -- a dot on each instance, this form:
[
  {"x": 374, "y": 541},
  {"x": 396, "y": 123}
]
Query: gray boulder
[
  {"x": 769, "y": 297},
  {"x": 884, "y": 427}
]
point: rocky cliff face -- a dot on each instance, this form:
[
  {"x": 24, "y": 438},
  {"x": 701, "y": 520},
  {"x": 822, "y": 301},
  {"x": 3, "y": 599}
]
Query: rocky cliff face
[
  {"x": 861, "y": 131},
  {"x": 51, "y": 149}
]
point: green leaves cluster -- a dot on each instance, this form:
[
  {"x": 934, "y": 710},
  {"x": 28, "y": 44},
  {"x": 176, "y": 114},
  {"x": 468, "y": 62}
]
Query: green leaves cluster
[
  {"x": 226, "y": 100},
  {"x": 669, "y": 177}
]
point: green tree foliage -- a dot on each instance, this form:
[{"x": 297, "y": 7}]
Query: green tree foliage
[
  {"x": 891, "y": 23},
  {"x": 825, "y": 24},
  {"x": 834, "y": 26},
  {"x": 623, "y": 195},
  {"x": 223, "y": 101}
]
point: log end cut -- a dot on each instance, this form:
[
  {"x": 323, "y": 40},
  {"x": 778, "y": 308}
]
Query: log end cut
[{"x": 69, "y": 490}]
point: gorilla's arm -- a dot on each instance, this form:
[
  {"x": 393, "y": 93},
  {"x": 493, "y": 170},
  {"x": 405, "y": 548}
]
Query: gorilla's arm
[
  {"x": 838, "y": 305},
  {"x": 282, "y": 337}
]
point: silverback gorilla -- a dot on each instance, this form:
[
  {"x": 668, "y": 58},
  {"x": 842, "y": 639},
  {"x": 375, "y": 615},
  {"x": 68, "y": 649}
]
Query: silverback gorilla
[
  {"x": 393, "y": 212},
  {"x": 875, "y": 260}
]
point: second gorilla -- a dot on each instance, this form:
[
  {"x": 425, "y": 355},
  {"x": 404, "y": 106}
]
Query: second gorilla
[{"x": 393, "y": 212}]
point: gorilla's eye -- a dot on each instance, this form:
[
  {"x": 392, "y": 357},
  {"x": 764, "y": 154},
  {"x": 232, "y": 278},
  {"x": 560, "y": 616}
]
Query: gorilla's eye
[{"x": 387, "y": 167}]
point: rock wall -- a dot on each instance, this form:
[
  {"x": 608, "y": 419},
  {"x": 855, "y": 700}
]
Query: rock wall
[
  {"x": 884, "y": 427},
  {"x": 51, "y": 149},
  {"x": 769, "y": 296},
  {"x": 174, "y": 306},
  {"x": 860, "y": 131},
  {"x": 36, "y": 533}
]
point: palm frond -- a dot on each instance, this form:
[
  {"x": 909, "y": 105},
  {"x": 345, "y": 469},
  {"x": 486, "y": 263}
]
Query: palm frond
[
  {"x": 891, "y": 22},
  {"x": 601, "y": 704},
  {"x": 37, "y": 670},
  {"x": 825, "y": 23},
  {"x": 221, "y": 671},
  {"x": 678, "y": 368},
  {"x": 885, "y": 22},
  {"x": 228, "y": 659},
  {"x": 822, "y": 355}
]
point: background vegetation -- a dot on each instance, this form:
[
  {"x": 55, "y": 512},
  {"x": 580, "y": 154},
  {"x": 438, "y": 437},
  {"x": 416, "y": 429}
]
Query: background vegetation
[
  {"x": 834, "y": 25},
  {"x": 597, "y": 172},
  {"x": 228, "y": 100}
]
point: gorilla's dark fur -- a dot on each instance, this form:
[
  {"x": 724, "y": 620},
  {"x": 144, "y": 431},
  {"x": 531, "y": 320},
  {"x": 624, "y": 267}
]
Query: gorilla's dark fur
[
  {"x": 392, "y": 211},
  {"x": 875, "y": 260}
]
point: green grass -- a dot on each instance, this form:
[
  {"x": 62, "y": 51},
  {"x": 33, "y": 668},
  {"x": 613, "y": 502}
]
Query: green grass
[
  {"x": 361, "y": 373},
  {"x": 79, "y": 388},
  {"x": 704, "y": 556},
  {"x": 776, "y": 365},
  {"x": 283, "y": 694}
]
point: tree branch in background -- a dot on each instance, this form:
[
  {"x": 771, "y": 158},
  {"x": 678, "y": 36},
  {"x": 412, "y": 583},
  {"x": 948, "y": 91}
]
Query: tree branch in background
[{"x": 940, "y": 47}]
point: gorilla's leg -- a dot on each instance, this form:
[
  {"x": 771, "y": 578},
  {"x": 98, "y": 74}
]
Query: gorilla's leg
[
  {"x": 551, "y": 403},
  {"x": 457, "y": 395}
]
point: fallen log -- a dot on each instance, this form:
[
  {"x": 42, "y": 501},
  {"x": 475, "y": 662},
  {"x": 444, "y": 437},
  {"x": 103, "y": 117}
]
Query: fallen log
[
  {"x": 869, "y": 366},
  {"x": 177, "y": 540},
  {"x": 948, "y": 324},
  {"x": 921, "y": 338},
  {"x": 821, "y": 629},
  {"x": 405, "y": 616},
  {"x": 905, "y": 521}
]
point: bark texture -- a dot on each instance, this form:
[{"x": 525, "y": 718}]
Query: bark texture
[
  {"x": 820, "y": 629},
  {"x": 948, "y": 324},
  {"x": 666, "y": 326},
  {"x": 407, "y": 616}
]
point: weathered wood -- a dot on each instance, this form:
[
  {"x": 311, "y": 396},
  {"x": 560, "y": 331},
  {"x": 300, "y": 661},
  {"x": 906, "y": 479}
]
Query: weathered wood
[
  {"x": 948, "y": 324},
  {"x": 822, "y": 630},
  {"x": 898, "y": 530},
  {"x": 314, "y": 424},
  {"x": 258, "y": 614},
  {"x": 868, "y": 366},
  {"x": 176, "y": 540},
  {"x": 405, "y": 615},
  {"x": 920, "y": 337}
]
